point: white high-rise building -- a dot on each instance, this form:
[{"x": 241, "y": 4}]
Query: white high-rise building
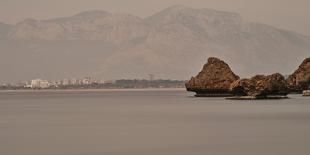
[
  {"x": 74, "y": 81},
  {"x": 65, "y": 82},
  {"x": 35, "y": 83},
  {"x": 39, "y": 83}
]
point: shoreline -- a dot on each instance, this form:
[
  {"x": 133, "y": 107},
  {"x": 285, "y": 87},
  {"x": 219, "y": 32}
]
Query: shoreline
[{"x": 94, "y": 90}]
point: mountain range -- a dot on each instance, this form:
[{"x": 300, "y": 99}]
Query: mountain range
[{"x": 173, "y": 43}]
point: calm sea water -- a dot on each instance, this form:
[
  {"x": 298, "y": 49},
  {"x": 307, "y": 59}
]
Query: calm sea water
[{"x": 150, "y": 123}]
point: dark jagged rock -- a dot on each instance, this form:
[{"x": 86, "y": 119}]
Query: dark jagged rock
[
  {"x": 260, "y": 87},
  {"x": 213, "y": 81},
  {"x": 300, "y": 79}
]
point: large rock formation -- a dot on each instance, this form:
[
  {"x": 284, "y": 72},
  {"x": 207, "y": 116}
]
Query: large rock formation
[
  {"x": 300, "y": 79},
  {"x": 260, "y": 86},
  {"x": 214, "y": 79}
]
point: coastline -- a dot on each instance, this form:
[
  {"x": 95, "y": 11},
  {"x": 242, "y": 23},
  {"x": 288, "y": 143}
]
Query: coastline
[{"x": 94, "y": 90}]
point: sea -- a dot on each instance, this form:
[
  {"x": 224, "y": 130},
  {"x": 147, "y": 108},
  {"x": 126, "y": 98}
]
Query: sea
[{"x": 150, "y": 122}]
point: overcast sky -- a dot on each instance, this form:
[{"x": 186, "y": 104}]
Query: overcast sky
[{"x": 288, "y": 14}]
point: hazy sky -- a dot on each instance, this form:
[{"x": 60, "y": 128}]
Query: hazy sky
[{"x": 288, "y": 14}]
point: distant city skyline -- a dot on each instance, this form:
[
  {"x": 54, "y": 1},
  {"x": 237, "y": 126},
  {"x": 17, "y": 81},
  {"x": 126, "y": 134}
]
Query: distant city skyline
[
  {"x": 37, "y": 82},
  {"x": 286, "y": 14},
  {"x": 92, "y": 83}
]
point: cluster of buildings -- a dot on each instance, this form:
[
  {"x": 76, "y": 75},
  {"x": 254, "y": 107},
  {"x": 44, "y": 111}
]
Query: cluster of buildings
[
  {"x": 89, "y": 82},
  {"x": 43, "y": 84}
]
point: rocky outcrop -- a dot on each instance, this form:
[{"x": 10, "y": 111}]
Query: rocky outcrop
[
  {"x": 300, "y": 79},
  {"x": 214, "y": 79},
  {"x": 260, "y": 86}
]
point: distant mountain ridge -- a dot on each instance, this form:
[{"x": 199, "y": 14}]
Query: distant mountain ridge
[
  {"x": 173, "y": 43},
  {"x": 92, "y": 25}
]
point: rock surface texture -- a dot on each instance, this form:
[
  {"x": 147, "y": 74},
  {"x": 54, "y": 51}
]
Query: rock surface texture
[
  {"x": 300, "y": 79},
  {"x": 260, "y": 86},
  {"x": 214, "y": 79}
]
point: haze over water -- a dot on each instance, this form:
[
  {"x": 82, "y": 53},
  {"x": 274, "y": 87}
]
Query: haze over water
[{"x": 150, "y": 123}]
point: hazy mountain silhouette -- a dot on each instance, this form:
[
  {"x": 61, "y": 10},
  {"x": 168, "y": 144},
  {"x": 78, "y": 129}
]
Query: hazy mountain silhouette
[{"x": 173, "y": 43}]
